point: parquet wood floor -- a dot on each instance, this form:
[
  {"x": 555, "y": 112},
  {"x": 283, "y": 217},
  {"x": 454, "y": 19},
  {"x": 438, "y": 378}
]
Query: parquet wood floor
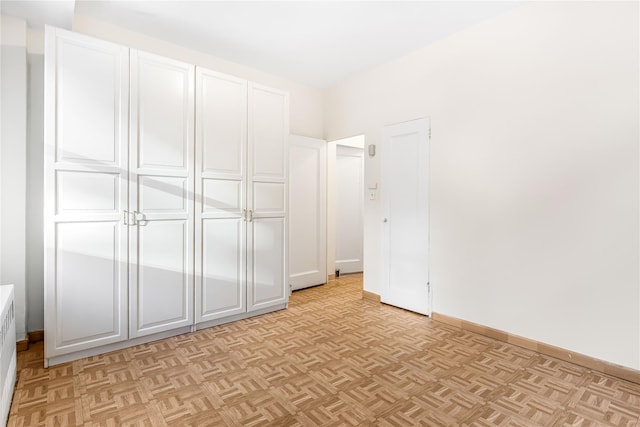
[{"x": 331, "y": 359}]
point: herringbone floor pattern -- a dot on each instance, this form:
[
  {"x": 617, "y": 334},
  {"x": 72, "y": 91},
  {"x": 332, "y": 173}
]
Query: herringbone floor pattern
[{"x": 331, "y": 359}]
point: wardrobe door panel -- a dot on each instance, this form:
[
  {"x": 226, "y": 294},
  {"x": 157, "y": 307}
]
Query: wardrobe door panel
[
  {"x": 268, "y": 132},
  {"x": 163, "y": 275},
  {"x": 267, "y": 281},
  {"x": 88, "y": 274},
  {"x": 221, "y": 147},
  {"x": 269, "y": 199},
  {"x": 88, "y": 91},
  {"x": 223, "y": 268},
  {"x": 164, "y": 112},
  {"x": 222, "y": 129},
  {"x": 222, "y": 196},
  {"x": 85, "y": 174},
  {"x": 267, "y": 266},
  {"x": 88, "y": 192},
  {"x": 161, "y": 194}
]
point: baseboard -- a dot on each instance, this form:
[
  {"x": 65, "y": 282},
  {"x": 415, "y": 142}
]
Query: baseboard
[
  {"x": 331, "y": 277},
  {"x": 370, "y": 296},
  {"x": 22, "y": 345},
  {"x": 542, "y": 348},
  {"x": 36, "y": 336}
]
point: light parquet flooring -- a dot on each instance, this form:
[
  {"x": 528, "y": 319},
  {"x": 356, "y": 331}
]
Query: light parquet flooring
[{"x": 331, "y": 359}]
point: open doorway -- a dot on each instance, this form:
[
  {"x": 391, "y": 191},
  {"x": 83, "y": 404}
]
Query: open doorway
[{"x": 345, "y": 206}]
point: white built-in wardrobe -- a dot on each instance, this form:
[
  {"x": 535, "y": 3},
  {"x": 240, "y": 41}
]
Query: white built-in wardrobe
[{"x": 165, "y": 197}]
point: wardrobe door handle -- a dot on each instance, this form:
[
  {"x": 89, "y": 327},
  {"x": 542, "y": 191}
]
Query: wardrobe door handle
[
  {"x": 129, "y": 218},
  {"x": 138, "y": 217}
]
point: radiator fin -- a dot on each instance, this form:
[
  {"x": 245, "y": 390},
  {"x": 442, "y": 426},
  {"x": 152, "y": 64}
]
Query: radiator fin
[{"x": 7, "y": 351}]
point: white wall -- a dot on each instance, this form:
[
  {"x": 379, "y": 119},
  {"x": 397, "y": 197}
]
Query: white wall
[
  {"x": 534, "y": 171},
  {"x": 306, "y": 103},
  {"x": 35, "y": 177},
  {"x": 13, "y": 167}
]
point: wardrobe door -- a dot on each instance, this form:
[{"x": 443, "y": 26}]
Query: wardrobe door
[
  {"x": 268, "y": 127},
  {"x": 85, "y": 160},
  {"x": 161, "y": 194},
  {"x": 221, "y": 147}
]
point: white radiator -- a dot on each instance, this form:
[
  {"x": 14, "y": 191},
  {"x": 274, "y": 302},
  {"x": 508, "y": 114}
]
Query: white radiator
[{"x": 7, "y": 351}]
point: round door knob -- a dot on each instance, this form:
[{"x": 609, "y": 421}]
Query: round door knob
[{"x": 385, "y": 220}]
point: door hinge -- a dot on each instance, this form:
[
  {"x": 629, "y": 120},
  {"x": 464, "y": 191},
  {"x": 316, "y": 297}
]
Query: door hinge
[{"x": 429, "y": 133}]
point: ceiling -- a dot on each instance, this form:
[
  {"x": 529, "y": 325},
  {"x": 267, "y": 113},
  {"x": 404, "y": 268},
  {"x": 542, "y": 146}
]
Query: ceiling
[
  {"x": 40, "y": 13},
  {"x": 318, "y": 43}
]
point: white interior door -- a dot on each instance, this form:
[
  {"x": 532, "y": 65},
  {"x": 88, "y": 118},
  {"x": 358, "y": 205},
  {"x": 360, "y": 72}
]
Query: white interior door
[
  {"x": 161, "y": 193},
  {"x": 221, "y": 147},
  {"x": 307, "y": 211},
  {"x": 349, "y": 209},
  {"x": 267, "y": 264},
  {"x": 86, "y": 93},
  {"x": 405, "y": 184}
]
